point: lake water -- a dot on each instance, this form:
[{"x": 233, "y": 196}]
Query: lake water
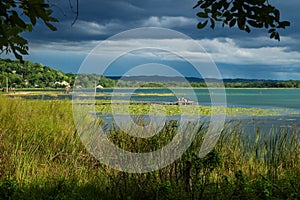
[
  {"x": 285, "y": 101},
  {"x": 263, "y": 98}
]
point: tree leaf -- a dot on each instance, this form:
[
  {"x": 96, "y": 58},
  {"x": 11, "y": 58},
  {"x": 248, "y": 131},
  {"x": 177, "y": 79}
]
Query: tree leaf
[
  {"x": 277, "y": 15},
  {"x": 266, "y": 25},
  {"x": 241, "y": 23},
  {"x": 32, "y": 19},
  {"x": 202, "y": 15},
  {"x": 285, "y": 23},
  {"x": 212, "y": 23},
  {"x": 247, "y": 29},
  {"x": 206, "y": 4},
  {"x": 53, "y": 28},
  {"x": 18, "y": 56},
  {"x": 232, "y": 23},
  {"x": 21, "y": 50},
  {"x": 271, "y": 30},
  {"x": 52, "y": 19},
  {"x": 255, "y": 24},
  {"x": 277, "y": 37},
  {"x": 17, "y": 20},
  {"x": 272, "y": 35},
  {"x": 202, "y": 25}
]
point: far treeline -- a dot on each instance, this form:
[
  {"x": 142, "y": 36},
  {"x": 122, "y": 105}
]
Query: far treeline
[{"x": 15, "y": 74}]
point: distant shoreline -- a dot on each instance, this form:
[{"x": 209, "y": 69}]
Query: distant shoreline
[{"x": 32, "y": 91}]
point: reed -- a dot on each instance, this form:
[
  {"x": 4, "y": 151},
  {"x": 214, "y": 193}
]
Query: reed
[{"x": 42, "y": 157}]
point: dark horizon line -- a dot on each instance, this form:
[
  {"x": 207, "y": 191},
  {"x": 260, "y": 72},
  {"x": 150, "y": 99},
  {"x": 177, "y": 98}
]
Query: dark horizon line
[{"x": 196, "y": 78}]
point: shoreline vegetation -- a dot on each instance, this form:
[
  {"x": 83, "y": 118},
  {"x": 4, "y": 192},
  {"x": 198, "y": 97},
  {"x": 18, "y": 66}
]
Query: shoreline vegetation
[
  {"x": 27, "y": 75},
  {"x": 42, "y": 157},
  {"x": 154, "y": 88}
]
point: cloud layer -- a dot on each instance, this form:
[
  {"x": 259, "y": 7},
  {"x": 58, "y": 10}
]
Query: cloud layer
[{"x": 99, "y": 20}]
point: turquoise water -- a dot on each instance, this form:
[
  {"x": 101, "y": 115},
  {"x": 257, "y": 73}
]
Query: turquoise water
[
  {"x": 261, "y": 98},
  {"x": 266, "y": 98},
  {"x": 286, "y": 102}
]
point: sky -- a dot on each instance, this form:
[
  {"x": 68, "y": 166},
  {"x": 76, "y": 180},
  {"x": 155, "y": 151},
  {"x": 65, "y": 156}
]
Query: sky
[{"x": 236, "y": 54}]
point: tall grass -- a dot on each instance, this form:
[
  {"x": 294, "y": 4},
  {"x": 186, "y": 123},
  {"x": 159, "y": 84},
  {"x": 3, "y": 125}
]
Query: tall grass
[{"x": 42, "y": 157}]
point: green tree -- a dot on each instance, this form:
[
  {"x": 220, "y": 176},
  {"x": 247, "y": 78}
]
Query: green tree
[
  {"x": 13, "y": 22},
  {"x": 244, "y": 14},
  {"x": 29, "y": 74}
]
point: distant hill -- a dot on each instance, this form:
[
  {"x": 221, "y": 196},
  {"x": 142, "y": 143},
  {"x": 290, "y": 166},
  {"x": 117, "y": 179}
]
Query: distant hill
[
  {"x": 199, "y": 82},
  {"x": 29, "y": 75},
  {"x": 157, "y": 78}
]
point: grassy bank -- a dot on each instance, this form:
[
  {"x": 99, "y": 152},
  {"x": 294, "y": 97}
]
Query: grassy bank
[{"x": 42, "y": 157}]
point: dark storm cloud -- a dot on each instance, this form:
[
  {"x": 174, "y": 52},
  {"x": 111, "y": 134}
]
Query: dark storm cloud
[
  {"x": 113, "y": 17},
  {"x": 275, "y": 72},
  {"x": 101, "y": 19}
]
